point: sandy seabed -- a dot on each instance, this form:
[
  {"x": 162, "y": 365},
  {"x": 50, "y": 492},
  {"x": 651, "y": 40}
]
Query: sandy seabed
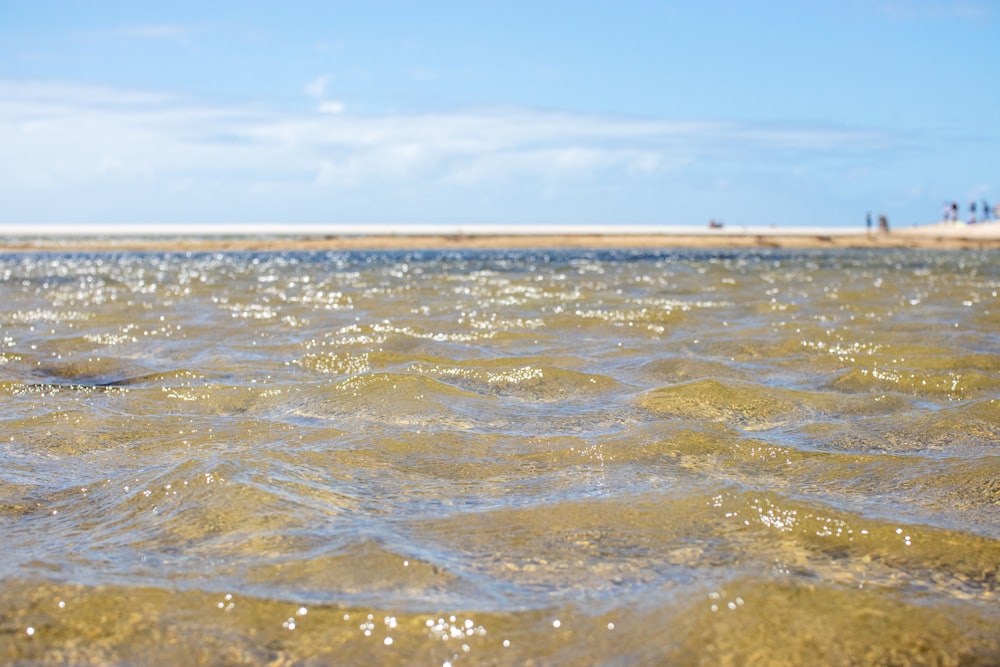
[{"x": 945, "y": 235}]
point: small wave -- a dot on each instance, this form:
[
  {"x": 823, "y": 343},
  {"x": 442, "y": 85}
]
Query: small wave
[
  {"x": 390, "y": 399},
  {"x": 750, "y": 406}
]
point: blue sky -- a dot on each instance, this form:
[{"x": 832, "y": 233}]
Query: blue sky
[{"x": 785, "y": 113}]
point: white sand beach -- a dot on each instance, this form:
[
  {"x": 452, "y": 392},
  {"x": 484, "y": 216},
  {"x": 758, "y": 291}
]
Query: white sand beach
[{"x": 232, "y": 237}]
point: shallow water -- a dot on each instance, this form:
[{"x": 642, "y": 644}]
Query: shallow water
[{"x": 489, "y": 458}]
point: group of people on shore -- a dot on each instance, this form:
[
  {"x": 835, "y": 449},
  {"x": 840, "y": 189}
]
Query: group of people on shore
[
  {"x": 951, "y": 212},
  {"x": 883, "y": 223}
]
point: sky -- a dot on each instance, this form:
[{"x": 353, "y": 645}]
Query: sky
[{"x": 782, "y": 113}]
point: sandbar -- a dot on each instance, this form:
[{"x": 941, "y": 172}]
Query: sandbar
[{"x": 942, "y": 235}]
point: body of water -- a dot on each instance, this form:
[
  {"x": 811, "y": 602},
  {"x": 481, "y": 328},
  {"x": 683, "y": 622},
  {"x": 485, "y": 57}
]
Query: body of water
[{"x": 493, "y": 458}]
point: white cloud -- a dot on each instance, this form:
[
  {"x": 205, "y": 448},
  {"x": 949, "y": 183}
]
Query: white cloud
[
  {"x": 55, "y": 136},
  {"x": 317, "y": 87},
  {"x": 331, "y": 107}
]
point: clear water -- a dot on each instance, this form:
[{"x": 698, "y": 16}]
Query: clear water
[{"x": 490, "y": 458}]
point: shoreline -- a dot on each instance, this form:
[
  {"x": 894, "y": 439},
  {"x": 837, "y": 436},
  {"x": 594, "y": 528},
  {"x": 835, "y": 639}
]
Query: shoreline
[{"x": 945, "y": 236}]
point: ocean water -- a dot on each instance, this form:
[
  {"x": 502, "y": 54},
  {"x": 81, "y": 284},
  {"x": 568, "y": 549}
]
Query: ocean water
[{"x": 500, "y": 458}]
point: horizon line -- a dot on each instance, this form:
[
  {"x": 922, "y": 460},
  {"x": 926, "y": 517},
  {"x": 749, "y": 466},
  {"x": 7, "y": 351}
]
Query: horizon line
[{"x": 404, "y": 229}]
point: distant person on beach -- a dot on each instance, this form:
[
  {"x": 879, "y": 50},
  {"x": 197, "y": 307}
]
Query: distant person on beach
[
  {"x": 972, "y": 212},
  {"x": 954, "y": 211},
  {"x": 986, "y": 211},
  {"x": 883, "y": 224},
  {"x": 868, "y": 222}
]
